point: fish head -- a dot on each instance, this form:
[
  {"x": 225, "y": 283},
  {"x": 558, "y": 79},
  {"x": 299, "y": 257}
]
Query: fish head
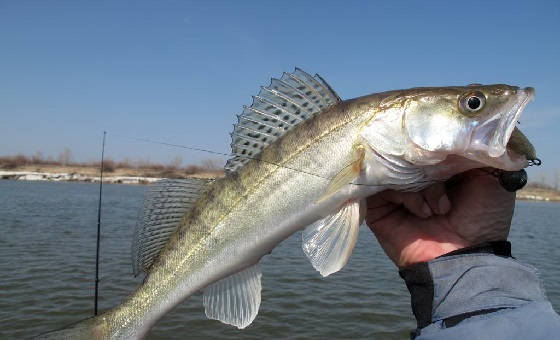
[{"x": 477, "y": 122}]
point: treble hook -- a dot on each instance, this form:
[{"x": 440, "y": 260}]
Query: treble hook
[{"x": 535, "y": 161}]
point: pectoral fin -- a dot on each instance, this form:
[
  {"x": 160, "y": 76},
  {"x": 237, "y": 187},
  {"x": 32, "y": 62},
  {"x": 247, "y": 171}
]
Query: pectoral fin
[
  {"x": 328, "y": 243},
  {"x": 347, "y": 174},
  {"x": 235, "y": 300}
]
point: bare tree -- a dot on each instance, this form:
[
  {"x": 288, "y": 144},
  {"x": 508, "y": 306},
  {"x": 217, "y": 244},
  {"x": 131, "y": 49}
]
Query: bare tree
[
  {"x": 38, "y": 157},
  {"x": 541, "y": 178},
  {"x": 176, "y": 162},
  {"x": 65, "y": 156},
  {"x": 211, "y": 164}
]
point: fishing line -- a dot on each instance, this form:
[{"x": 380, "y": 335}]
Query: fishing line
[
  {"x": 217, "y": 153},
  {"x": 532, "y": 162},
  {"x": 147, "y": 140}
]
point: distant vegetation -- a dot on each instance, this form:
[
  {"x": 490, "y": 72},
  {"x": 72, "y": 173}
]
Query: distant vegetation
[
  {"x": 146, "y": 168},
  {"x": 174, "y": 169},
  {"x": 544, "y": 181}
]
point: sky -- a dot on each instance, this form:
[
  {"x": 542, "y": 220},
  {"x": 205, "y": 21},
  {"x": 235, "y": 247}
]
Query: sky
[{"x": 179, "y": 71}]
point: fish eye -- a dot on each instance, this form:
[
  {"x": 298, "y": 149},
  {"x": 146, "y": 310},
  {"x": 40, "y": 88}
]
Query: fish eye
[{"x": 472, "y": 102}]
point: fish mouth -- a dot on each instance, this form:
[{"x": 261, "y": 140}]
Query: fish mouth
[
  {"x": 490, "y": 141},
  {"x": 502, "y": 134}
]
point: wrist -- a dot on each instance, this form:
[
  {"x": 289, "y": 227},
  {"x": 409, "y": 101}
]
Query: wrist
[
  {"x": 425, "y": 251},
  {"x": 439, "y": 250}
]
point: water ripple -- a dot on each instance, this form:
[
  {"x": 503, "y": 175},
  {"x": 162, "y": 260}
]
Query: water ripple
[{"x": 47, "y": 252}]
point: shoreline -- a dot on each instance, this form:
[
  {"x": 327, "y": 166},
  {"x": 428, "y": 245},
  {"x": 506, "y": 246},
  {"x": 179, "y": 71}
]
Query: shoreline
[
  {"x": 113, "y": 174},
  {"x": 74, "y": 177},
  {"x": 525, "y": 194},
  {"x": 77, "y": 177},
  {"x": 538, "y": 194}
]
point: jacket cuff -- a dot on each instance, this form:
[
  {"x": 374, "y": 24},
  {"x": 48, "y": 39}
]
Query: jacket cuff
[
  {"x": 482, "y": 277},
  {"x": 499, "y": 248}
]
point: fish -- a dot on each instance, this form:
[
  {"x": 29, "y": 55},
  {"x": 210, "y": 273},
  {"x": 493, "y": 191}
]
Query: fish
[{"x": 303, "y": 159}]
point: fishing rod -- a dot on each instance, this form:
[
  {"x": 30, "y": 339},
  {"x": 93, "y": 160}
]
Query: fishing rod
[{"x": 99, "y": 226}]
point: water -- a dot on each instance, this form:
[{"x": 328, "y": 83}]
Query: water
[{"x": 47, "y": 266}]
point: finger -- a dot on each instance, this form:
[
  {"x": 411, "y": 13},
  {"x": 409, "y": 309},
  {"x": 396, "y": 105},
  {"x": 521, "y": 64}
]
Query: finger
[
  {"x": 413, "y": 201},
  {"x": 437, "y": 199},
  {"x": 378, "y": 212}
]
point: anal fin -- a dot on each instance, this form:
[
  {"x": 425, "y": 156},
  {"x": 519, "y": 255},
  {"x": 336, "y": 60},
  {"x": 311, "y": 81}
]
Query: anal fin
[
  {"x": 328, "y": 243},
  {"x": 235, "y": 300}
]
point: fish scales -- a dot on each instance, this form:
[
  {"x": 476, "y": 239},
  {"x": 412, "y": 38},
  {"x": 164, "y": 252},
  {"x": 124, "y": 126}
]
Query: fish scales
[
  {"x": 317, "y": 175},
  {"x": 297, "y": 150}
]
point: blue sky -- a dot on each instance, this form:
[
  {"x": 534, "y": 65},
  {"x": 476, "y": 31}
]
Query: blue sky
[{"x": 180, "y": 71}]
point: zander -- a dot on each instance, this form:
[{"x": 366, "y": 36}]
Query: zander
[{"x": 303, "y": 158}]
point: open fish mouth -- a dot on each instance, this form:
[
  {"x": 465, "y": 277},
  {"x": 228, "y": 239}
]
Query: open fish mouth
[
  {"x": 506, "y": 124},
  {"x": 490, "y": 141}
]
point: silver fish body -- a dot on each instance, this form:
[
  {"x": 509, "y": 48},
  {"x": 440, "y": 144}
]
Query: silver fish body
[
  {"x": 267, "y": 204},
  {"x": 317, "y": 174}
]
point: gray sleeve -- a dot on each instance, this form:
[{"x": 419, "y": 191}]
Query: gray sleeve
[{"x": 482, "y": 293}]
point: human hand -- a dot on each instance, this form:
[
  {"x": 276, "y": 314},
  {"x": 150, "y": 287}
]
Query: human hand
[{"x": 469, "y": 209}]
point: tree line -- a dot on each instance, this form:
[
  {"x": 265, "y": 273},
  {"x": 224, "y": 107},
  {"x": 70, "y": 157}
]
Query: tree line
[{"x": 66, "y": 158}]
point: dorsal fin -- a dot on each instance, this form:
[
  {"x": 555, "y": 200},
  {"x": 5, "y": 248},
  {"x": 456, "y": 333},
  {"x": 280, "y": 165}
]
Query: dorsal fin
[
  {"x": 277, "y": 108},
  {"x": 164, "y": 206}
]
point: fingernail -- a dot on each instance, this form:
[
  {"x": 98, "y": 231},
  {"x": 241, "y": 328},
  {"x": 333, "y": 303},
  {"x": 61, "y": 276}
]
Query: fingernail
[
  {"x": 444, "y": 204},
  {"x": 426, "y": 210}
]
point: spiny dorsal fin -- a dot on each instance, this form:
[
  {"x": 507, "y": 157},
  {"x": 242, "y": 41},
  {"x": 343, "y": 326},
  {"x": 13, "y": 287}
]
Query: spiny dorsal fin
[
  {"x": 164, "y": 206},
  {"x": 277, "y": 108}
]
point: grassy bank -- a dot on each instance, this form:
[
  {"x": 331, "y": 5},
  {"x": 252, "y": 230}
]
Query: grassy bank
[
  {"x": 538, "y": 193},
  {"x": 23, "y": 164}
]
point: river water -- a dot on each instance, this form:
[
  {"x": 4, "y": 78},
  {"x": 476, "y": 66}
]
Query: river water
[{"x": 47, "y": 270}]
